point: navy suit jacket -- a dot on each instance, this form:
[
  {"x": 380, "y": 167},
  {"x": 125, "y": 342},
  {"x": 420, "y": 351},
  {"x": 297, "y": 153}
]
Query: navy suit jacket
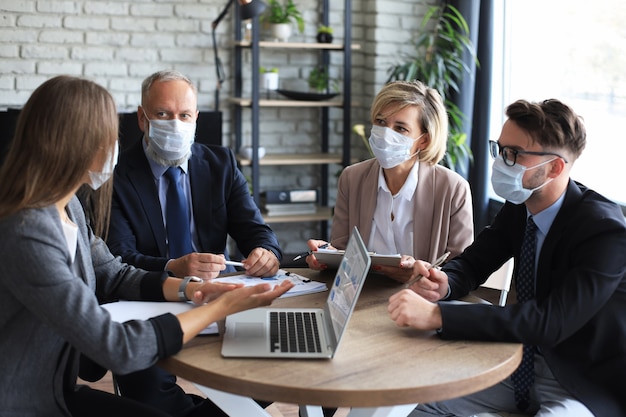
[
  {"x": 578, "y": 318},
  {"x": 221, "y": 201}
]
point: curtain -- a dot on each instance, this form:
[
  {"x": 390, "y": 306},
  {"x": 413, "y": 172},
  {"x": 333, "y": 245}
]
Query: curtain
[{"x": 474, "y": 100}]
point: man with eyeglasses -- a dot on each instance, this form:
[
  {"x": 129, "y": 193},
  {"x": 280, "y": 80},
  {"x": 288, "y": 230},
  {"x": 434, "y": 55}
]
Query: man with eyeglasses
[{"x": 569, "y": 246}]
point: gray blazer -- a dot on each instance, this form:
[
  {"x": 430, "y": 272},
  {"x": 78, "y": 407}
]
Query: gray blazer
[
  {"x": 49, "y": 313},
  {"x": 443, "y": 219}
]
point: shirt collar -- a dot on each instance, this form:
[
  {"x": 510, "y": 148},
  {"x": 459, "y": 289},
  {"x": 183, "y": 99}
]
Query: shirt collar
[
  {"x": 545, "y": 218},
  {"x": 157, "y": 169},
  {"x": 408, "y": 188}
]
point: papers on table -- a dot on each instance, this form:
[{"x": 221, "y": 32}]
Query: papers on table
[
  {"x": 332, "y": 258},
  {"x": 302, "y": 285},
  {"x": 122, "y": 311}
]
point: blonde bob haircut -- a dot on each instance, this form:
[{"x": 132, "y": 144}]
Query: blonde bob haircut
[
  {"x": 433, "y": 118},
  {"x": 64, "y": 125}
]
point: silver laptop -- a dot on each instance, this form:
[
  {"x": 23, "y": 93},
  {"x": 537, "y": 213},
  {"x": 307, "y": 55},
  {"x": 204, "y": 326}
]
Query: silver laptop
[{"x": 301, "y": 332}]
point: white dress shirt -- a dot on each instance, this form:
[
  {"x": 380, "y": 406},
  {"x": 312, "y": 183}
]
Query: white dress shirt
[{"x": 392, "y": 225}]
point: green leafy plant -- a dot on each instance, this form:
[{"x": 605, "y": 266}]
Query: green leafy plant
[
  {"x": 283, "y": 13},
  {"x": 325, "y": 29},
  {"x": 319, "y": 80},
  {"x": 437, "y": 61},
  {"x": 324, "y": 34},
  {"x": 264, "y": 70}
]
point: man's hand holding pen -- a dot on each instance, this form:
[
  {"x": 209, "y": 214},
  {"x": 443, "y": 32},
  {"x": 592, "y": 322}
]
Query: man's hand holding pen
[
  {"x": 429, "y": 281},
  {"x": 416, "y": 305}
]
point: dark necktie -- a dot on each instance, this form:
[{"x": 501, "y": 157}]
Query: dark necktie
[
  {"x": 524, "y": 376},
  {"x": 177, "y": 216}
]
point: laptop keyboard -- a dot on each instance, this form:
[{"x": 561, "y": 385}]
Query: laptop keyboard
[{"x": 292, "y": 331}]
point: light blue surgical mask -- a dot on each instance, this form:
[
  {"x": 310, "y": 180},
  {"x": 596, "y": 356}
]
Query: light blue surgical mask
[
  {"x": 507, "y": 181},
  {"x": 390, "y": 147},
  {"x": 171, "y": 139},
  {"x": 96, "y": 179}
]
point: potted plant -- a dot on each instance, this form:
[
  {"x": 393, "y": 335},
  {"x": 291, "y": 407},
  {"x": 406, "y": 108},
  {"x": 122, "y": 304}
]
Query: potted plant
[
  {"x": 280, "y": 17},
  {"x": 269, "y": 78},
  {"x": 441, "y": 42},
  {"x": 320, "y": 82},
  {"x": 324, "y": 34}
]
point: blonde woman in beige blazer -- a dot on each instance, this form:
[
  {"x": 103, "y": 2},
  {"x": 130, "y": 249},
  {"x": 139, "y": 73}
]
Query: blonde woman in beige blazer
[{"x": 402, "y": 200}]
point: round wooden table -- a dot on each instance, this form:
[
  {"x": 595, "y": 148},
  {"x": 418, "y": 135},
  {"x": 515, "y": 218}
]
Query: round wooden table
[{"x": 377, "y": 364}]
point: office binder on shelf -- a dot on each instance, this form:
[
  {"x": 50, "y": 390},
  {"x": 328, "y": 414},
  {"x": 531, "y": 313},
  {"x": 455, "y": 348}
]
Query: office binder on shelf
[
  {"x": 289, "y": 196},
  {"x": 292, "y": 208}
]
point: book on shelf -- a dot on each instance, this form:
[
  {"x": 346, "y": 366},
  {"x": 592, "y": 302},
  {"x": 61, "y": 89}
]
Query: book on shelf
[
  {"x": 293, "y": 208},
  {"x": 289, "y": 196}
]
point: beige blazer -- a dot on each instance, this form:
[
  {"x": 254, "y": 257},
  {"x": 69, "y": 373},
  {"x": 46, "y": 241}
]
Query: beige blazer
[{"x": 443, "y": 219}]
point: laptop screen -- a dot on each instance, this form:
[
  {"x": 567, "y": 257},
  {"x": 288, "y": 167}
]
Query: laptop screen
[{"x": 347, "y": 283}]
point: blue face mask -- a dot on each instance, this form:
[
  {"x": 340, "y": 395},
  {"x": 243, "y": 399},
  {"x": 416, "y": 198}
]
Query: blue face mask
[
  {"x": 507, "y": 181},
  {"x": 390, "y": 147}
]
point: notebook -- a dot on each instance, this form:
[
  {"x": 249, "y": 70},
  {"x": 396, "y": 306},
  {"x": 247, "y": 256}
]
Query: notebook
[{"x": 306, "y": 333}]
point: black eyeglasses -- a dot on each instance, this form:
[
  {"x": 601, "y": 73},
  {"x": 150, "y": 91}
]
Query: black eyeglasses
[{"x": 509, "y": 155}]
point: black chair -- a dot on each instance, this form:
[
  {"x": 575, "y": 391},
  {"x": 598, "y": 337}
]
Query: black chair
[
  {"x": 8, "y": 119},
  {"x": 208, "y": 128}
]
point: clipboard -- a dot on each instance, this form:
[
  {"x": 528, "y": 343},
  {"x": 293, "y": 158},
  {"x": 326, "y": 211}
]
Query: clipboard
[{"x": 332, "y": 258}]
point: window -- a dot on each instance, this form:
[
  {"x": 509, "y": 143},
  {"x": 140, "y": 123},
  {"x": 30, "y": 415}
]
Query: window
[{"x": 572, "y": 50}]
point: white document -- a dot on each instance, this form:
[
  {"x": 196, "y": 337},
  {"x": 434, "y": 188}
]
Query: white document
[
  {"x": 302, "y": 285},
  {"x": 122, "y": 311}
]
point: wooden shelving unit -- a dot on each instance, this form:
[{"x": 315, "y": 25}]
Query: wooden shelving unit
[{"x": 255, "y": 101}]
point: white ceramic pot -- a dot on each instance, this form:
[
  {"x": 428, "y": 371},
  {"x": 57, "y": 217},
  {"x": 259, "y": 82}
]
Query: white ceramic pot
[
  {"x": 281, "y": 31},
  {"x": 269, "y": 80}
]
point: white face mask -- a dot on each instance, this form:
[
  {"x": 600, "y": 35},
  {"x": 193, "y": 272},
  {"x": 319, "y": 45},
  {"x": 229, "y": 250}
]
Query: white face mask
[
  {"x": 96, "y": 179},
  {"x": 507, "y": 181},
  {"x": 390, "y": 147},
  {"x": 171, "y": 139}
]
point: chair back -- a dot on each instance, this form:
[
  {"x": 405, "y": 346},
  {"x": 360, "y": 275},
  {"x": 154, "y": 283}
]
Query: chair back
[{"x": 501, "y": 280}]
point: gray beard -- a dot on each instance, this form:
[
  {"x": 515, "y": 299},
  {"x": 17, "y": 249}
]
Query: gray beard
[{"x": 152, "y": 154}]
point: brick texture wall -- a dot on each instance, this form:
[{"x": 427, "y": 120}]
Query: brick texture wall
[{"x": 117, "y": 43}]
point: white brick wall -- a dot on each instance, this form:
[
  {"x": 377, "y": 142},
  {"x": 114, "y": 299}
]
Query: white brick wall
[{"x": 117, "y": 43}]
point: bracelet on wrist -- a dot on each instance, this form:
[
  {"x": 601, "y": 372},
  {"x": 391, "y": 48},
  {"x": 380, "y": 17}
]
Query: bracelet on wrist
[{"x": 182, "y": 289}]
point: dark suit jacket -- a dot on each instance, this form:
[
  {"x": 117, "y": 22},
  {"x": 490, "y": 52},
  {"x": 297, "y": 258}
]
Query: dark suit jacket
[
  {"x": 222, "y": 205},
  {"x": 578, "y": 319}
]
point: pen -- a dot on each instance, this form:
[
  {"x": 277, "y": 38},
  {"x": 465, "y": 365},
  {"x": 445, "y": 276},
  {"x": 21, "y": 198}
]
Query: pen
[
  {"x": 437, "y": 263},
  {"x": 305, "y": 254},
  {"x": 233, "y": 263}
]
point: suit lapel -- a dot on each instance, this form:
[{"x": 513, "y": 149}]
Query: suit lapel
[
  {"x": 561, "y": 222},
  {"x": 140, "y": 176},
  {"x": 370, "y": 196},
  {"x": 199, "y": 182},
  {"x": 423, "y": 224}
]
